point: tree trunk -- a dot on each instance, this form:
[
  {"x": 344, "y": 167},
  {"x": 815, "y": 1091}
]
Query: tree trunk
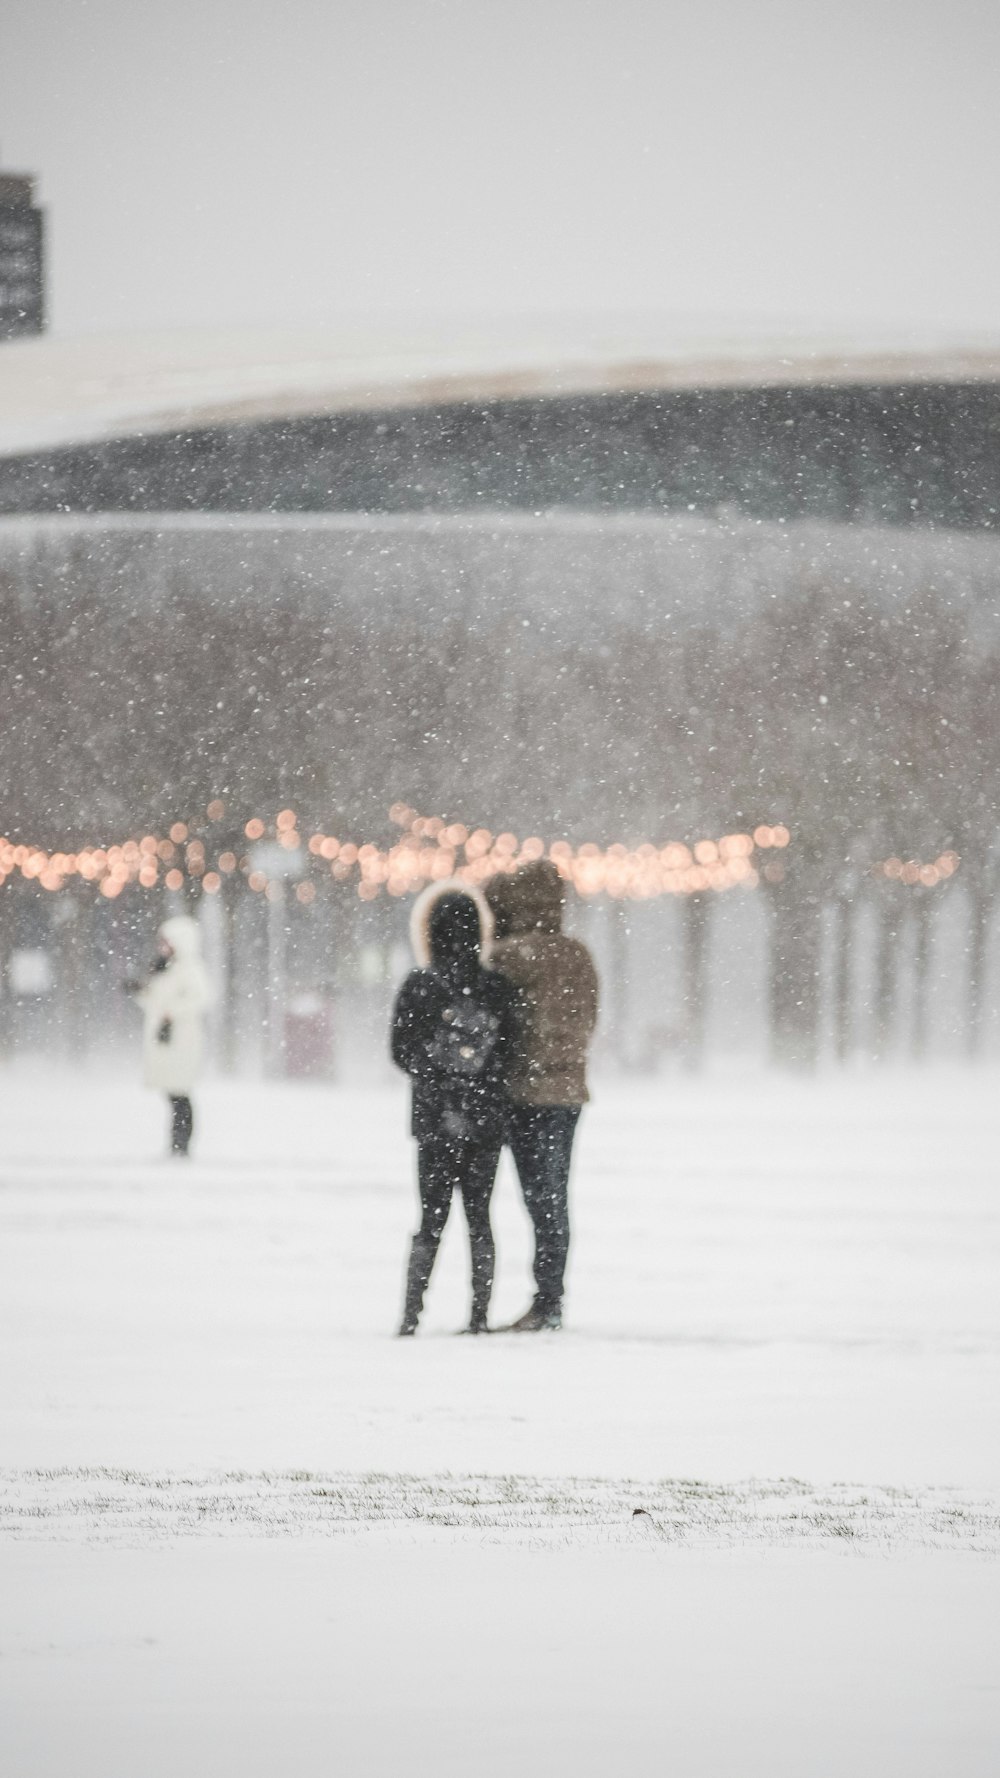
[
  {"x": 981, "y": 915},
  {"x": 886, "y": 998},
  {"x": 697, "y": 914},
  {"x": 277, "y": 977},
  {"x": 795, "y": 983},
  {"x": 842, "y": 960},
  {"x": 921, "y": 972},
  {"x": 618, "y": 985},
  {"x": 71, "y": 931},
  {"x": 8, "y": 916},
  {"x": 227, "y": 1035}
]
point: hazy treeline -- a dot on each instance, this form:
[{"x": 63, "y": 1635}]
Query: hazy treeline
[{"x": 622, "y": 679}]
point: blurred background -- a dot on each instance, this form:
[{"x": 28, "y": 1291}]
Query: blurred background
[{"x": 436, "y": 435}]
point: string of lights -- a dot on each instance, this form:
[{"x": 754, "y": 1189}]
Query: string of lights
[
  {"x": 428, "y": 848},
  {"x": 913, "y": 873}
]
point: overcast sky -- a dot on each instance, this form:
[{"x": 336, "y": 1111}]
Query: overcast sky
[{"x": 230, "y": 161}]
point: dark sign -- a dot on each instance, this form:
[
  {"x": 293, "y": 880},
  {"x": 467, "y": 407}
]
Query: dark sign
[{"x": 22, "y": 307}]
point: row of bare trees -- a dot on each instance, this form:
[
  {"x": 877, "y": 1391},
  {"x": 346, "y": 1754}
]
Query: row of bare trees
[{"x": 582, "y": 694}]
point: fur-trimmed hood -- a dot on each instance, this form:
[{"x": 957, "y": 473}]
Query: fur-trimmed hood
[{"x": 423, "y": 908}]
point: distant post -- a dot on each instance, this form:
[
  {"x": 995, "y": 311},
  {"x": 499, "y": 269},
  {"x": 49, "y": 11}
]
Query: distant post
[{"x": 279, "y": 866}]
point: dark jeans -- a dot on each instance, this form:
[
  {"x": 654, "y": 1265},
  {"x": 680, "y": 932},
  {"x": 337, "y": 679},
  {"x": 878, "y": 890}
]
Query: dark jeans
[
  {"x": 443, "y": 1168},
  {"x": 541, "y": 1141},
  {"x": 182, "y": 1124}
]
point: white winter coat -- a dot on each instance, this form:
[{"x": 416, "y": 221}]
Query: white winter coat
[{"x": 180, "y": 993}]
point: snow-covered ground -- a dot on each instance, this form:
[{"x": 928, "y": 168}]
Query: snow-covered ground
[{"x": 245, "y": 1531}]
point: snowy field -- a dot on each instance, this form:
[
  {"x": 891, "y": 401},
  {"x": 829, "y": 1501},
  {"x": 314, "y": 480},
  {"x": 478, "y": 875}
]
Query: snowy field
[{"x": 246, "y": 1532}]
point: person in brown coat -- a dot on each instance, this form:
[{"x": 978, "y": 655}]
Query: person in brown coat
[{"x": 547, "y": 1082}]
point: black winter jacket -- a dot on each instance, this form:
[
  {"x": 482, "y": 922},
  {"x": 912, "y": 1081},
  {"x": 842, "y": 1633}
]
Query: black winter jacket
[{"x": 457, "y": 1044}]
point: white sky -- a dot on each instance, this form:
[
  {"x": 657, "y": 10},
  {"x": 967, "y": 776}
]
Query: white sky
[{"x": 242, "y": 162}]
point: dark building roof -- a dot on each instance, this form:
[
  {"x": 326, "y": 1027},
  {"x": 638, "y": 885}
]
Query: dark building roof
[
  {"x": 899, "y": 455},
  {"x": 316, "y": 422}
]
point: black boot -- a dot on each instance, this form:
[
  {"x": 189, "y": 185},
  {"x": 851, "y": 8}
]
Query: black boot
[
  {"x": 417, "y": 1277},
  {"x": 542, "y": 1317},
  {"x": 182, "y": 1125}
]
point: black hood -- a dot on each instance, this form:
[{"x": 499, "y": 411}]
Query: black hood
[{"x": 456, "y": 936}]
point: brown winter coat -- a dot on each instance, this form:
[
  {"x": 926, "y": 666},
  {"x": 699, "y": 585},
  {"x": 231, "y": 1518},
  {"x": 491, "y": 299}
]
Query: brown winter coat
[{"x": 558, "y": 985}]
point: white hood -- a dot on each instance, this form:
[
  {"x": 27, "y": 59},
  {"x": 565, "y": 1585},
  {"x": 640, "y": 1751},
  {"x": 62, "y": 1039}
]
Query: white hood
[{"x": 182, "y": 934}]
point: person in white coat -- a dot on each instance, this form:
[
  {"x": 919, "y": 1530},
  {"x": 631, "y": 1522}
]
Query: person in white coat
[{"x": 174, "y": 1001}]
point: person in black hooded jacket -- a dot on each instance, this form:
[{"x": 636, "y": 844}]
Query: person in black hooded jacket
[{"x": 453, "y": 1031}]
